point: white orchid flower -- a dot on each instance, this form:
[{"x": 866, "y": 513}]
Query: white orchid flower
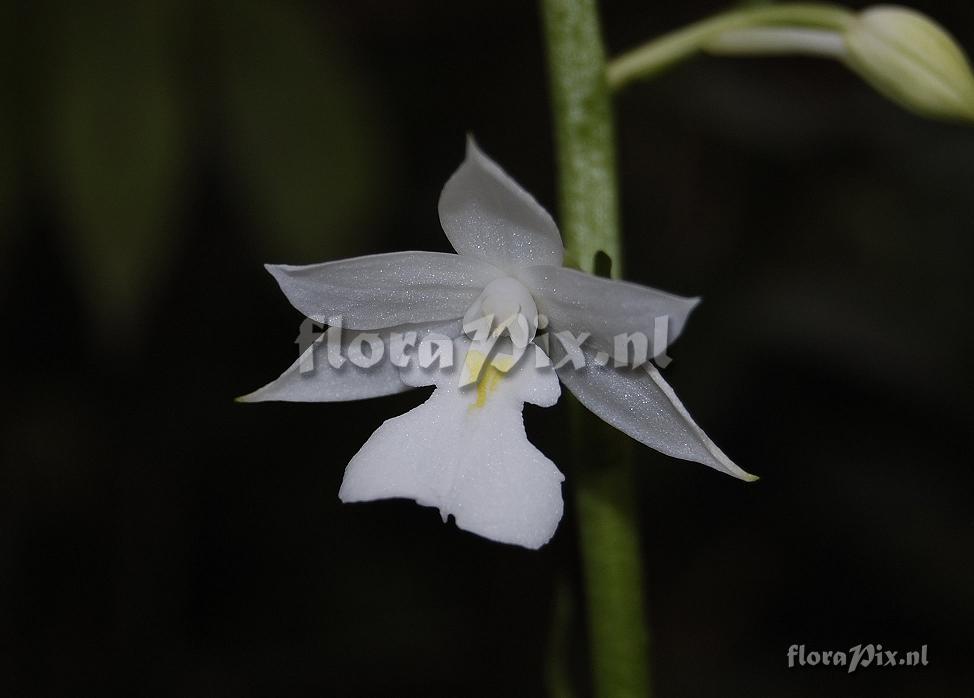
[{"x": 464, "y": 450}]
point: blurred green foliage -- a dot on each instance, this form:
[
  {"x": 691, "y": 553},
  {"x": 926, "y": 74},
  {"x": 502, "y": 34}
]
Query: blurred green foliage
[
  {"x": 7, "y": 153},
  {"x": 117, "y": 136},
  {"x": 304, "y": 137},
  {"x": 118, "y": 89}
]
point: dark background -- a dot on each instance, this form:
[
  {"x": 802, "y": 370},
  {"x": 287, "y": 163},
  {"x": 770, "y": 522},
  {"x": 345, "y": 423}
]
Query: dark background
[{"x": 158, "y": 539}]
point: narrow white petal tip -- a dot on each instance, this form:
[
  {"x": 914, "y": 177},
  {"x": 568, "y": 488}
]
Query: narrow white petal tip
[
  {"x": 642, "y": 405},
  {"x": 719, "y": 459},
  {"x": 487, "y": 215},
  {"x": 278, "y": 271},
  {"x": 732, "y": 468},
  {"x": 263, "y": 394}
]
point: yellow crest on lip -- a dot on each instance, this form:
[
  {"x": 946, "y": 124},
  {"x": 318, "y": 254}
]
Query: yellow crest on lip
[{"x": 488, "y": 376}]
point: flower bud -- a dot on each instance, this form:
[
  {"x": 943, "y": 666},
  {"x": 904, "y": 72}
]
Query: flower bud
[{"x": 912, "y": 60}]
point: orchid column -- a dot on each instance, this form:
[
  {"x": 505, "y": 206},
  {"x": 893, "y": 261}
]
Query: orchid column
[{"x": 588, "y": 206}]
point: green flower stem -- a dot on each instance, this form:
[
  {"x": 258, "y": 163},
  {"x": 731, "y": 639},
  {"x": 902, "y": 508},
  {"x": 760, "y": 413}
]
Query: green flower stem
[
  {"x": 659, "y": 54},
  {"x": 584, "y": 132},
  {"x": 604, "y": 482}
]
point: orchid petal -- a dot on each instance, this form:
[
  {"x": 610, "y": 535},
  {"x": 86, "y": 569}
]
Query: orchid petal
[
  {"x": 465, "y": 452},
  {"x": 383, "y": 290},
  {"x": 487, "y": 215},
  {"x": 579, "y": 302},
  {"x": 641, "y": 404},
  {"x": 312, "y": 378}
]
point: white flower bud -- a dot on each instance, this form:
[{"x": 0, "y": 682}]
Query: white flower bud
[{"x": 912, "y": 60}]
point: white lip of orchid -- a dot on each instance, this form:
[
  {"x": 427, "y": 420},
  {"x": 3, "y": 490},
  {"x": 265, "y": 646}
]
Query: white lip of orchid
[
  {"x": 509, "y": 301},
  {"x": 465, "y": 451}
]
